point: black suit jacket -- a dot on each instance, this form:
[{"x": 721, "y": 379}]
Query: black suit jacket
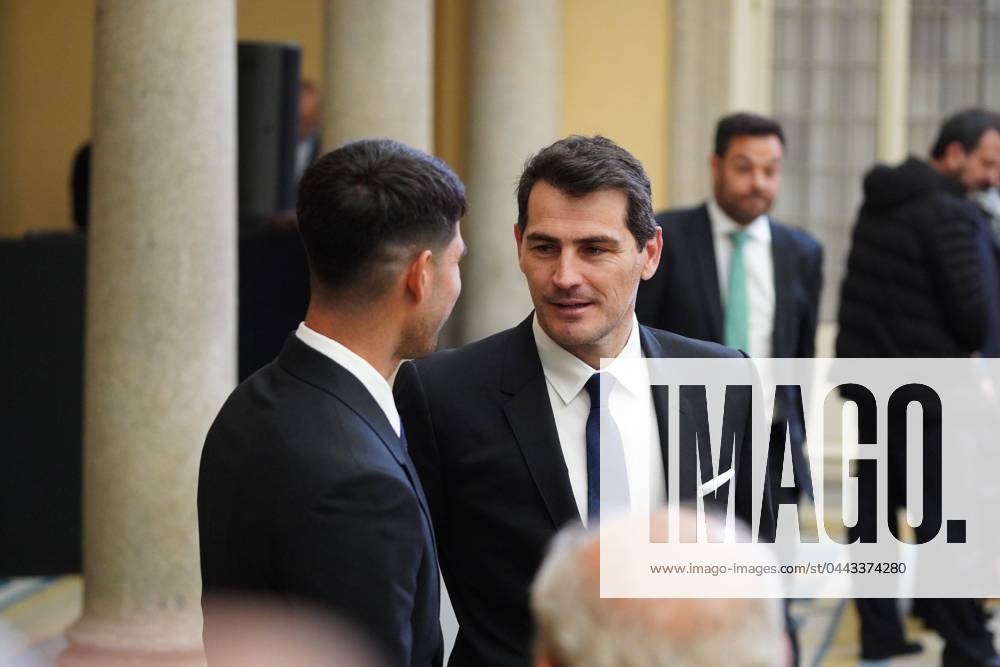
[
  {"x": 306, "y": 492},
  {"x": 684, "y": 296},
  {"x": 484, "y": 439}
]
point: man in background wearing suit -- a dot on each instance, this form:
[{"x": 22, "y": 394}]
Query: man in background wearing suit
[
  {"x": 731, "y": 275},
  {"x": 306, "y": 490},
  {"x": 503, "y": 430}
]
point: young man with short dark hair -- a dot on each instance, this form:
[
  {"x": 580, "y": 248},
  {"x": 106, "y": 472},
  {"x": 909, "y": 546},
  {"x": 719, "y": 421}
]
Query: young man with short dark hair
[{"x": 307, "y": 491}]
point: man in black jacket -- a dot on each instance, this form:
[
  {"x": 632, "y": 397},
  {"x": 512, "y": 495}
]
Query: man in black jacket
[
  {"x": 307, "y": 491},
  {"x": 731, "y": 274},
  {"x": 500, "y": 430},
  {"x": 914, "y": 288}
]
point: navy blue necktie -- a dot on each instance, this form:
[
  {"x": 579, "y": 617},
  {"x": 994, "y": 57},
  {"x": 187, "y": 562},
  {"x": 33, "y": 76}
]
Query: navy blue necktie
[{"x": 616, "y": 495}]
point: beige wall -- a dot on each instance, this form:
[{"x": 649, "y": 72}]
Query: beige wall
[
  {"x": 451, "y": 72},
  {"x": 46, "y": 64},
  {"x": 299, "y": 21},
  {"x": 46, "y": 70},
  {"x": 616, "y": 78}
]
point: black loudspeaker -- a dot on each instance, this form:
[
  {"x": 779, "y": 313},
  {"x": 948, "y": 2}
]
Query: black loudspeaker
[{"x": 268, "y": 102}]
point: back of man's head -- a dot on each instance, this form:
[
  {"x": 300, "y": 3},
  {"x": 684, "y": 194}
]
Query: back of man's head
[
  {"x": 966, "y": 127},
  {"x": 578, "y": 166},
  {"x": 578, "y": 628},
  {"x": 365, "y": 208}
]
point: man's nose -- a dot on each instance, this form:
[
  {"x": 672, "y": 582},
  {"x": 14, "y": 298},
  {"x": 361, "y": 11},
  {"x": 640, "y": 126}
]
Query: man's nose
[
  {"x": 567, "y": 274},
  {"x": 760, "y": 181}
]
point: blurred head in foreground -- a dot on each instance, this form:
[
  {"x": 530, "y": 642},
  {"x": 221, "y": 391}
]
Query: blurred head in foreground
[
  {"x": 251, "y": 632},
  {"x": 577, "y": 628}
]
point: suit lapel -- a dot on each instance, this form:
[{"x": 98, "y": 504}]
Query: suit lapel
[
  {"x": 323, "y": 373},
  {"x": 782, "y": 255},
  {"x": 529, "y": 414},
  {"x": 653, "y": 349},
  {"x": 702, "y": 247}
]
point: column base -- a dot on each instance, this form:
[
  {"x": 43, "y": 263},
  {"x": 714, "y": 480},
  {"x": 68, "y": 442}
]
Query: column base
[{"x": 168, "y": 641}]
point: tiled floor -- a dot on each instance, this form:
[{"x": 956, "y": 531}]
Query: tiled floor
[
  {"x": 40, "y": 609},
  {"x": 37, "y": 610}
]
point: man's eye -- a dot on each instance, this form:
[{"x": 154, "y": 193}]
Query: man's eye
[
  {"x": 593, "y": 250},
  {"x": 542, "y": 247}
]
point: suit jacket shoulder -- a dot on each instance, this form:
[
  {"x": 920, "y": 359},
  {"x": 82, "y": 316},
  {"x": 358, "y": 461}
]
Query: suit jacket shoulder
[
  {"x": 682, "y": 216},
  {"x": 683, "y": 347},
  {"x": 798, "y": 238},
  {"x": 305, "y": 491},
  {"x": 469, "y": 364}
]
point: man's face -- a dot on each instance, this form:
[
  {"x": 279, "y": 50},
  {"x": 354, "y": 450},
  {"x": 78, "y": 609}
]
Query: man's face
[
  {"x": 747, "y": 176},
  {"x": 583, "y": 268},
  {"x": 420, "y": 338},
  {"x": 979, "y": 169},
  {"x": 310, "y": 110}
]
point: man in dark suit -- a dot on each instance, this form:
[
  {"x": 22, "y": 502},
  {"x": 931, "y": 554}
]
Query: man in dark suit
[
  {"x": 307, "y": 491},
  {"x": 502, "y": 431},
  {"x": 732, "y": 275}
]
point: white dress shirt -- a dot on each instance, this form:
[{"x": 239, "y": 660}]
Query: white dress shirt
[
  {"x": 366, "y": 374},
  {"x": 631, "y": 406},
  {"x": 759, "y": 264}
]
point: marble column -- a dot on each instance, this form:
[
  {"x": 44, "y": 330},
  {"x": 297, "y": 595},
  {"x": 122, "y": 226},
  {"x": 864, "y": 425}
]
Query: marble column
[
  {"x": 513, "y": 112},
  {"x": 732, "y": 73},
  {"x": 379, "y": 71},
  {"x": 161, "y": 320},
  {"x": 893, "y": 80}
]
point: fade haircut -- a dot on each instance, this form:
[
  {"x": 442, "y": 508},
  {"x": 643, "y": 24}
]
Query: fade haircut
[
  {"x": 966, "y": 127},
  {"x": 578, "y": 166},
  {"x": 743, "y": 125},
  {"x": 369, "y": 206}
]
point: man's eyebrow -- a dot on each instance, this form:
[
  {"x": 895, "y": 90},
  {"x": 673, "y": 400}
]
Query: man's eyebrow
[
  {"x": 747, "y": 158},
  {"x": 535, "y": 236},
  {"x": 600, "y": 239}
]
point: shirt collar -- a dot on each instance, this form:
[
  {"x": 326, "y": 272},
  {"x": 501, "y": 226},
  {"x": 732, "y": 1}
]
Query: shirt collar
[
  {"x": 567, "y": 373},
  {"x": 357, "y": 366},
  {"x": 722, "y": 225}
]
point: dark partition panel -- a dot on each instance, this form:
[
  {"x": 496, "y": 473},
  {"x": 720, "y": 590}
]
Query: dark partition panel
[
  {"x": 41, "y": 378},
  {"x": 41, "y": 384},
  {"x": 274, "y": 292}
]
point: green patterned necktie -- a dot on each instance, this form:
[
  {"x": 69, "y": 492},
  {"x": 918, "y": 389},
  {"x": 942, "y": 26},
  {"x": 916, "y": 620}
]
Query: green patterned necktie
[{"x": 737, "y": 321}]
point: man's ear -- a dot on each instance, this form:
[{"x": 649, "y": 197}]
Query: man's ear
[
  {"x": 418, "y": 275},
  {"x": 651, "y": 254},
  {"x": 715, "y": 164},
  {"x": 954, "y": 155},
  {"x": 517, "y": 239}
]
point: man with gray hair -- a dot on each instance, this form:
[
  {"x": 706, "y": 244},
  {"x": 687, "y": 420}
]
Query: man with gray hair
[{"x": 577, "y": 628}]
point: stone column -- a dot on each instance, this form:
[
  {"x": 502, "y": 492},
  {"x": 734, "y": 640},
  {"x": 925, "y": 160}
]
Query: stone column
[
  {"x": 513, "y": 112},
  {"x": 379, "y": 71},
  {"x": 161, "y": 320},
  {"x": 893, "y": 80},
  {"x": 722, "y": 62}
]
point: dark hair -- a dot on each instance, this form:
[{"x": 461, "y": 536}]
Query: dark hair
[
  {"x": 744, "y": 124},
  {"x": 966, "y": 127},
  {"x": 370, "y": 204},
  {"x": 578, "y": 166}
]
